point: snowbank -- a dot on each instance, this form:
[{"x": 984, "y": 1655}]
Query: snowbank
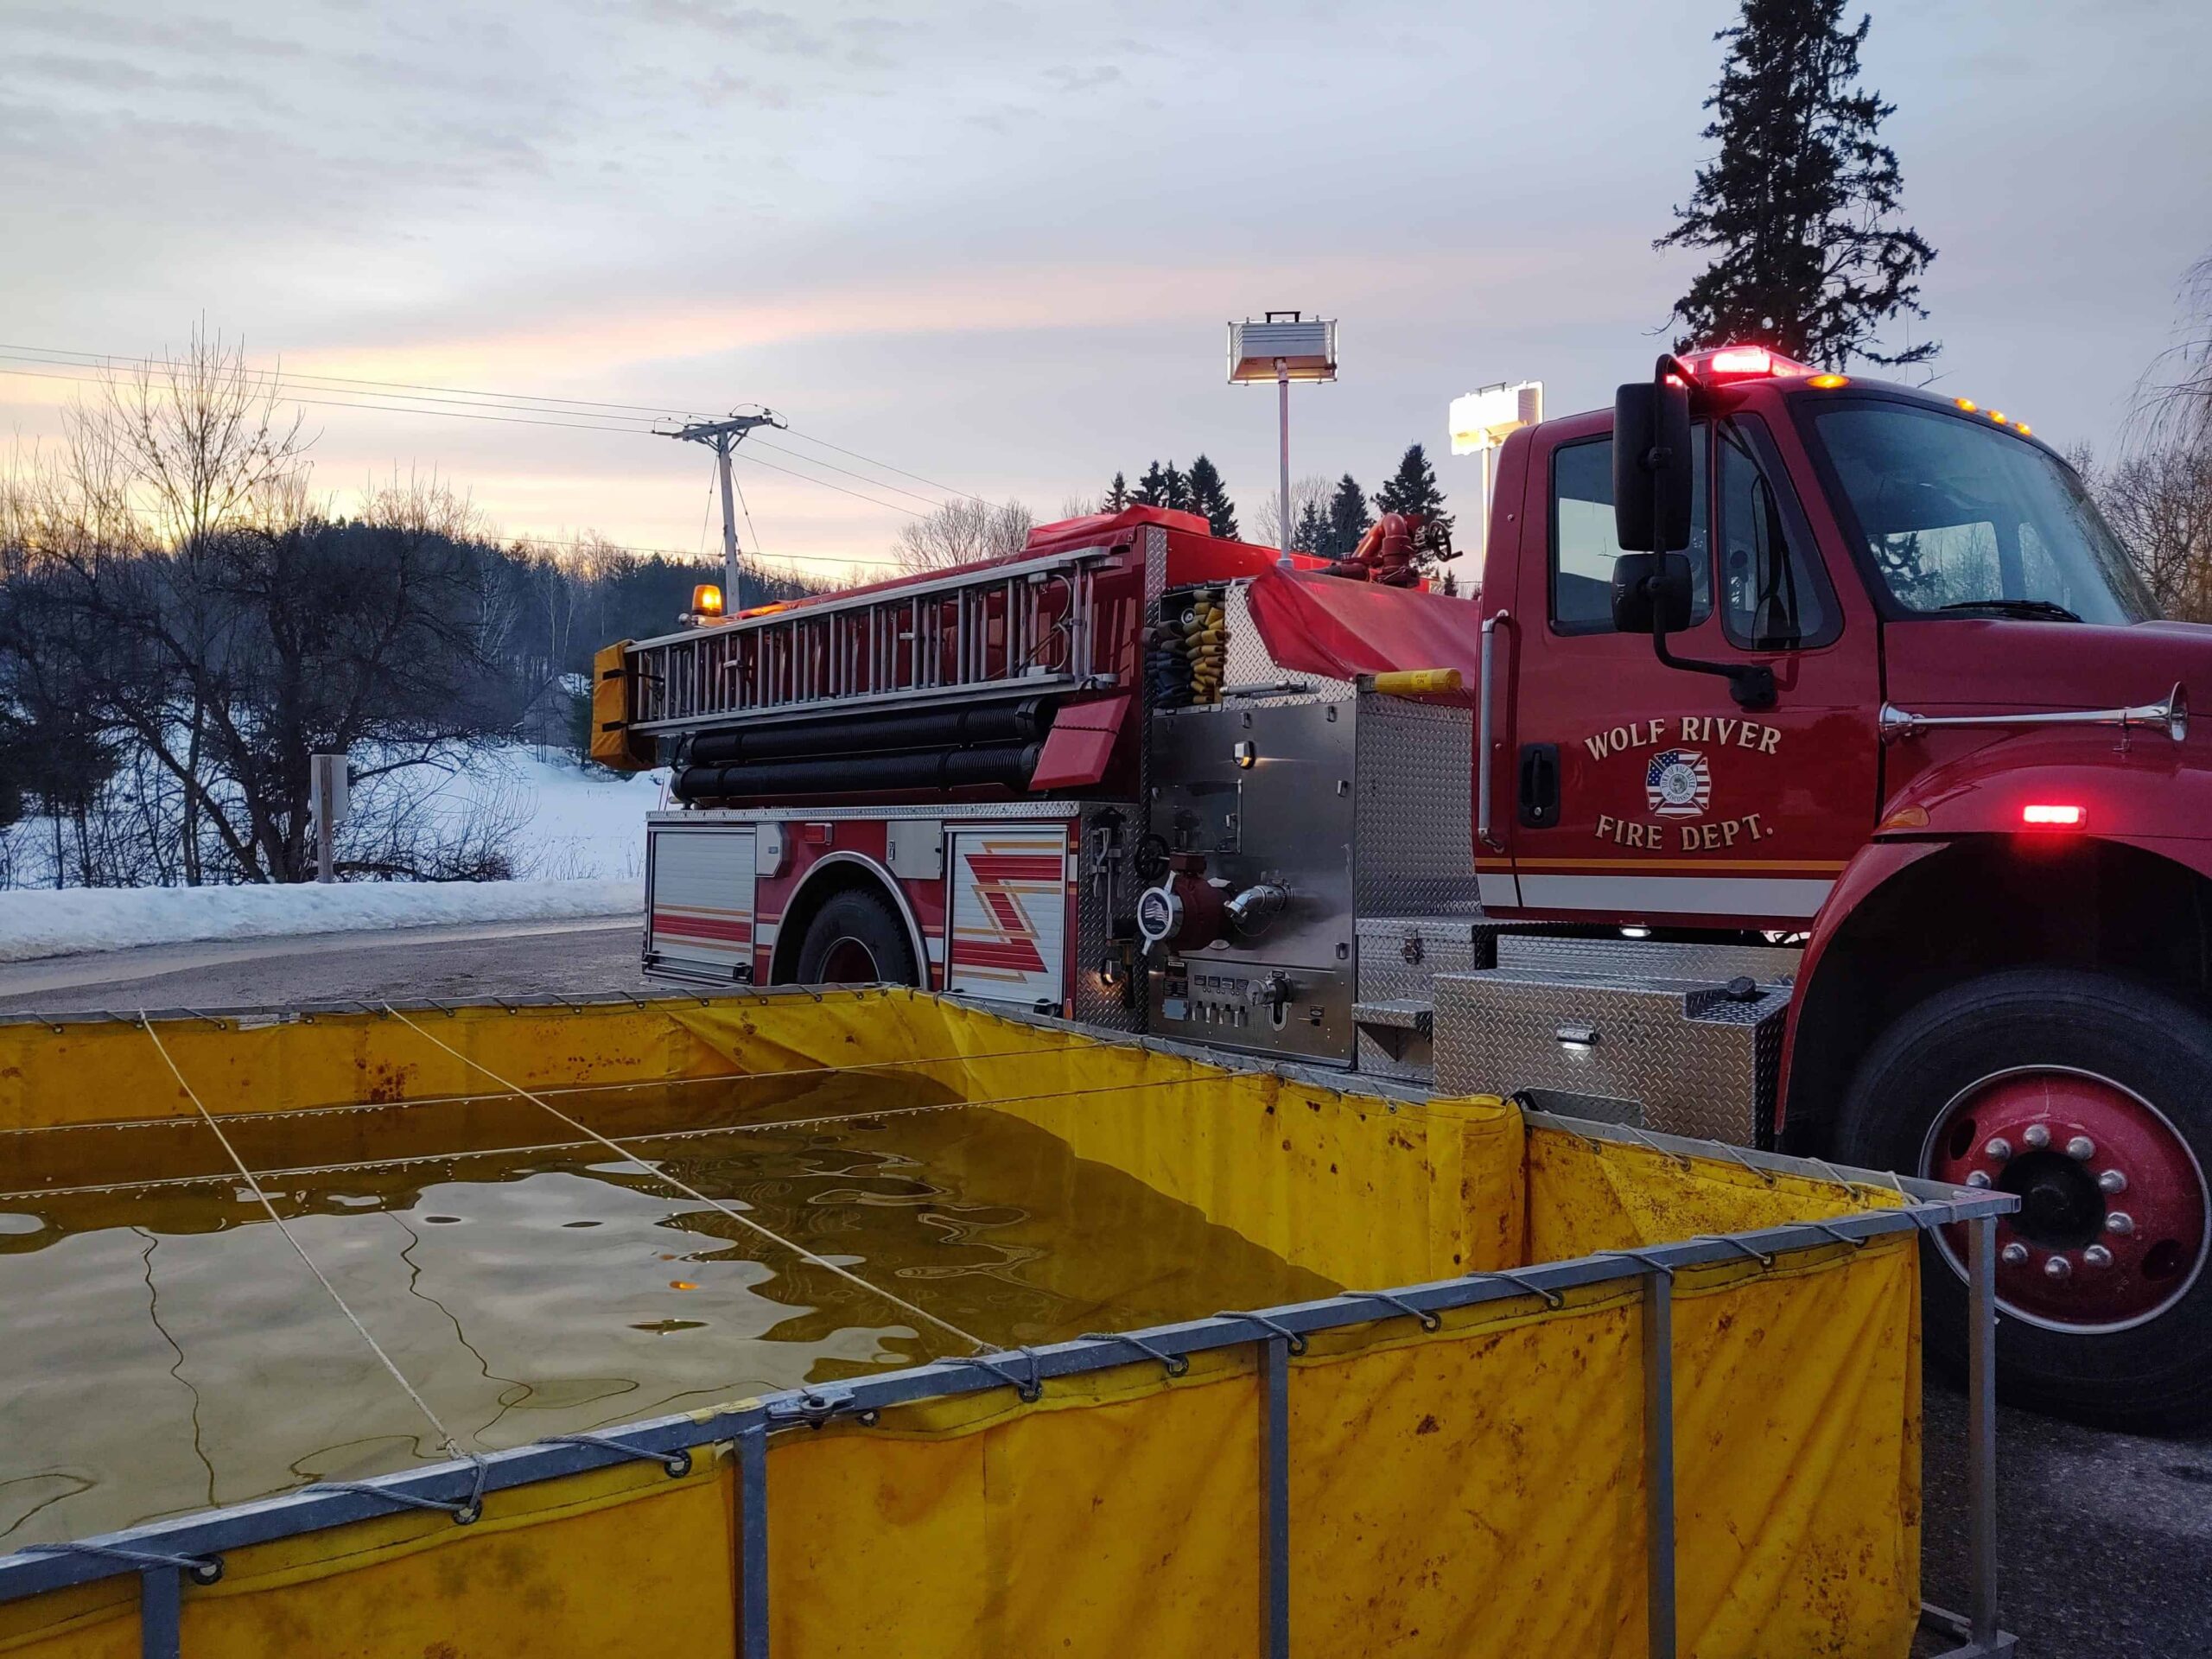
[{"x": 42, "y": 922}]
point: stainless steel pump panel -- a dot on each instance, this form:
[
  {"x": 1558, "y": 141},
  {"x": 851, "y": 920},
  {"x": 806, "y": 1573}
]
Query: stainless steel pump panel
[
  {"x": 1675, "y": 1056},
  {"x": 1279, "y": 813}
]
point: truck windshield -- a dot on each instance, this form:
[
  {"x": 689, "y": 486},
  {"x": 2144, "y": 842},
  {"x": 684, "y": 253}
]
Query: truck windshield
[{"x": 1962, "y": 518}]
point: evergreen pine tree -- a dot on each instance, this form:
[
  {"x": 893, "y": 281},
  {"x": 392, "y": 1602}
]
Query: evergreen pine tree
[
  {"x": 1117, "y": 494},
  {"x": 1800, "y": 204},
  {"x": 1411, "y": 489},
  {"x": 1348, "y": 519},
  {"x": 1153, "y": 487},
  {"x": 1177, "y": 490},
  {"x": 1312, "y": 532},
  {"x": 1210, "y": 496}
]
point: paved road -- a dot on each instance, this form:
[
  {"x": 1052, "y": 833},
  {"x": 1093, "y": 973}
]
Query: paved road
[
  {"x": 2106, "y": 1540},
  {"x": 449, "y": 963}
]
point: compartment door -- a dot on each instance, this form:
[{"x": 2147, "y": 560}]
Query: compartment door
[
  {"x": 1008, "y": 912},
  {"x": 699, "y": 902}
]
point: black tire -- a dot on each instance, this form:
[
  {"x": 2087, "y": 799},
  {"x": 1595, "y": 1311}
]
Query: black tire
[
  {"x": 2158, "y": 1374},
  {"x": 851, "y": 924}
]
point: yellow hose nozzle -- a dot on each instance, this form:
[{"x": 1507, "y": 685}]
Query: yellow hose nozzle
[{"x": 1414, "y": 682}]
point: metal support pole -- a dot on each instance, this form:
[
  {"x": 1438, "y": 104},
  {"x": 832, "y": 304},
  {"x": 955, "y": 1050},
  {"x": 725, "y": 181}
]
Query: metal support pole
[
  {"x": 160, "y": 1612},
  {"x": 725, "y": 435},
  {"x": 1659, "y": 1464},
  {"x": 1275, "y": 1499},
  {"x": 1282, "y": 395},
  {"x": 1982, "y": 1426},
  {"x": 1482, "y": 542},
  {"x": 752, "y": 1543},
  {"x": 730, "y": 578}
]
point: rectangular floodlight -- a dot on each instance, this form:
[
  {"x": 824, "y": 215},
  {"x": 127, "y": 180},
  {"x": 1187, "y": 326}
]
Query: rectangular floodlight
[
  {"x": 1307, "y": 347},
  {"x": 1481, "y": 420}
]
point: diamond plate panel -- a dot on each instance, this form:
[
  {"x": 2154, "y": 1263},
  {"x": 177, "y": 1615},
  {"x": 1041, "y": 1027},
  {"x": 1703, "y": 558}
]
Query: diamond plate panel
[
  {"x": 1768, "y": 964},
  {"x": 1248, "y": 663},
  {"x": 1698, "y": 1064},
  {"x": 1400, "y": 955},
  {"x": 1414, "y": 811},
  {"x": 1110, "y": 887}
]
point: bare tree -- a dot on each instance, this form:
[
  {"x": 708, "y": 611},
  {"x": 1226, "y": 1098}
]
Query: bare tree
[
  {"x": 1312, "y": 491},
  {"x": 962, "y": 531},
  {"x": 171, "y": 454},
  {"x": 175, "y": 599},
  {"x": 2174, "y": 399},
  {"x": 2158, "y": 500}
]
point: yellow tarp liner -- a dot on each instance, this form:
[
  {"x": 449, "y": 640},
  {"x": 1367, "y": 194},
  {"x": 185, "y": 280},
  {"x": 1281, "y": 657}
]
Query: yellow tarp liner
[{"x": 1469, "y": 1492}]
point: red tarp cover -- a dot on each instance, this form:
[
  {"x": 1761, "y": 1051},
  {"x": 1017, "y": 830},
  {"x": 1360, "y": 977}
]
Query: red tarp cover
[{"x": 1327, "y": 624}]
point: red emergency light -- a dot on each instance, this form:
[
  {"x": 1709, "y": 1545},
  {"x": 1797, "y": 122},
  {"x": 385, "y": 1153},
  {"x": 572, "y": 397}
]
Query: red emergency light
[
  {"x": 1742, "y": 363},
  {"x": 2053, "y": 815}
]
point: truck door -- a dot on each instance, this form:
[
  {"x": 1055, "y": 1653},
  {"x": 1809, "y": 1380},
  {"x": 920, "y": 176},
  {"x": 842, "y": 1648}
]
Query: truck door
[{"x": 1642, "y": 792}]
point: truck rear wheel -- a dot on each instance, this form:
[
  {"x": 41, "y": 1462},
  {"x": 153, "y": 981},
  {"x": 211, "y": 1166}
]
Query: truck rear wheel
[
  {"x": 856, "y": 939},
  {"x": 2090, "y": 1098}
]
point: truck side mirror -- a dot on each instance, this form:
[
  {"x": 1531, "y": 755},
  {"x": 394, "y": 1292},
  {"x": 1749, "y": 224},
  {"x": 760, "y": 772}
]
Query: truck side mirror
[
  {"x": 1651, "y": 592},
  {"x": 1652, "y": 481}
]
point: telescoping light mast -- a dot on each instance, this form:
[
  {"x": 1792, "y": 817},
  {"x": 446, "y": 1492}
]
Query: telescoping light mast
[{"x": 1283, "y": 346}]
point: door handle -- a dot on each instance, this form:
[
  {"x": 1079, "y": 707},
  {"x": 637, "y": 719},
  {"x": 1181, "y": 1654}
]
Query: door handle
[{"x": 1539, "y": 792}]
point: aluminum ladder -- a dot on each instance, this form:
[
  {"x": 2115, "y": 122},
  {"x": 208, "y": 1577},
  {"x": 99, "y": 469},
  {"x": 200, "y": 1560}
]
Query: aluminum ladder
[{"x": 1022, "y": 628}]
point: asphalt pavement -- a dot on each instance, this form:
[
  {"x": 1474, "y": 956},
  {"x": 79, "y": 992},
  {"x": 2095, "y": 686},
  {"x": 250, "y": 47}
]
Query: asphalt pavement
[
  {"x": 2105, "y": 1540},
  {"x": 449, "y": 963}
]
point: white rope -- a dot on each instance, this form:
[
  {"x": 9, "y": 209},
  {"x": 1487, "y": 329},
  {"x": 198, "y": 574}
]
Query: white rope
[
  {"x": 445, "y": 1435},
  {"x": 692, "y": 1192}
]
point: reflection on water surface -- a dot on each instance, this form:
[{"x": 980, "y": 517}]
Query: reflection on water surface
[{"x": 162, "y": 1349}]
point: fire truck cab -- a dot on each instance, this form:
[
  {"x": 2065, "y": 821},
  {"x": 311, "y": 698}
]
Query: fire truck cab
[{"x": 1807, "y": 769}]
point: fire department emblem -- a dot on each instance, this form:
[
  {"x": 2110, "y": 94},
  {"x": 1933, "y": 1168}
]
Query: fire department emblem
[{"x": 1678, "y": 784}]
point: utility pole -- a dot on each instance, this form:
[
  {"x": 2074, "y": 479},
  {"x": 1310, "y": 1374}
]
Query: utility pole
[{"x": 724, "y": 436}]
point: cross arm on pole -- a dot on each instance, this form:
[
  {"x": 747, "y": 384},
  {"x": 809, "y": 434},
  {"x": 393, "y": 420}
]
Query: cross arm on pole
[{"x": 723, "y": 436}]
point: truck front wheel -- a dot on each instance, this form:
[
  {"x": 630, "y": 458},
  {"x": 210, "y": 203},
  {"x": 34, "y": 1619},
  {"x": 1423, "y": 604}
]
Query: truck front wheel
[{"x": 2089, "y": 1099}]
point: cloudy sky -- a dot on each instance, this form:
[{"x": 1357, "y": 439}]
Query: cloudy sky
[{"x": 994, "y": 244}]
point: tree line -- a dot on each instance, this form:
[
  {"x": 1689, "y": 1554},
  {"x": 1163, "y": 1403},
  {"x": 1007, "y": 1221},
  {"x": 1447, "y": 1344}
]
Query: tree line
[
  {"x": 1326, "y": 520},
  {"x": 182, "y": 626}
]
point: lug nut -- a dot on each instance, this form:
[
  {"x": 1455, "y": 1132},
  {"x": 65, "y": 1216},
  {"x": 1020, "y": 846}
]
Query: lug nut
[
  {"x": 2097, "y": 1256},
  {"x": 1978, "y": 1178},
  {"x": 2081, "y": 1148},
  {"x": 2119, "y": 1222},
  {"x": 2112, "y": 1181},
  {"x": 2037, "y": 1134},
  {"x": 2013, "y": 1254},
  {"x": 2058, "y": 1267},
  {"x": 1998, "y": 1148}
]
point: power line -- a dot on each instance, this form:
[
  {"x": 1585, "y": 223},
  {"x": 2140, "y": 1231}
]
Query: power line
[
  {"x": 474, "y": 414},
  {"x": 825, "y": 484},
  {"x": 525, "y": 421},
  {"x": 471, "y": 414},
  {"x": 95, "y": 360},
  {"x": 742, "y": 507},
  {"x": 886, "y": 466},
  {"x": 517, "y": 402}
]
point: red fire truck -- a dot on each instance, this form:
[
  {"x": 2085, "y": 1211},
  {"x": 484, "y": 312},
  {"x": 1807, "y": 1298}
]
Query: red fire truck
[{"x": 1807, "y": 769}]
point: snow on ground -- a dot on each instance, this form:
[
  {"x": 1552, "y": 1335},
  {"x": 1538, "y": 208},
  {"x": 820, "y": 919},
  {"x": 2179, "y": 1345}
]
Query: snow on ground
[
  {"x": 45, "y": 922},
  {"x": 582, "y": 820},
  {"x": 580, "y": 844}
]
